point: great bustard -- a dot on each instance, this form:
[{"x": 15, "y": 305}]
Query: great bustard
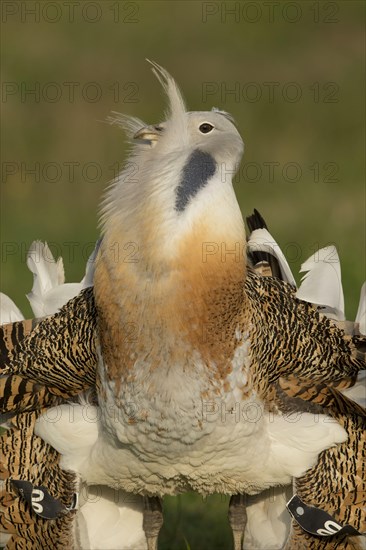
[{"x": 189, "y": 340}]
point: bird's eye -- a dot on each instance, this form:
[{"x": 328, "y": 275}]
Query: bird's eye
[{"x": 205, "y": 128}]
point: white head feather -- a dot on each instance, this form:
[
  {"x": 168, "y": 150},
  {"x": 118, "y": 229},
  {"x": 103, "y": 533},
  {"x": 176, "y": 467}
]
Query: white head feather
[
  {"x": 141, "y": 204},
  {"x": 175, "y": 115}
]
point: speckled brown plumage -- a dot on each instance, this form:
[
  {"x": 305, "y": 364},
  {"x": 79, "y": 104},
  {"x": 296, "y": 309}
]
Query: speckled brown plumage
[
  {"x": 292, "y": 337},
  {"x": 337, "y": 484},
  {"x": 26, "y": 456},
  {"x": 43, "y": 363},
  {"x": 302, "y": 336},
  {"x": 55, "y": 360}
]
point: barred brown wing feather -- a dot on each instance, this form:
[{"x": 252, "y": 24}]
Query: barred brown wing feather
[
  {"x": 26, "y": 456},
  {"x": 337, "y": 483},
  {"x": 55, "y": 358}
]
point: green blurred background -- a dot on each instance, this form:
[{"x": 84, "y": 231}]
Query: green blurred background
[{"x": 296, "y": 75}]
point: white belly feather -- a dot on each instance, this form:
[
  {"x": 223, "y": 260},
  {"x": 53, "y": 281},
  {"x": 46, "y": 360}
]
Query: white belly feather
[{"x": 164, "y": 438}]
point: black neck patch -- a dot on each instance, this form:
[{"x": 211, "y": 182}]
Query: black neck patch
[{"x": 197, "y": 171}]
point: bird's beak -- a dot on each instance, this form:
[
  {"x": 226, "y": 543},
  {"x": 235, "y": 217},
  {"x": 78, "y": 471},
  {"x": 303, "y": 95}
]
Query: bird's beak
[{"x": 149, "y": 133}]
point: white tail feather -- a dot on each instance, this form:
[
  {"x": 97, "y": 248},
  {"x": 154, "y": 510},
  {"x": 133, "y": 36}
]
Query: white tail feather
[
  {"x": 322, "y": 284},
  {"x": 9, "y": 312},
  {"x": 88, "y": 279},
  {"x": 298, "y": 439},
  {"x": 268, "y": 522},
  {"x": 47, "y": 274},
  {"x": 361, "y": 312},
  {"x": 262, "y": 241},
  {"x": 358, "y": 391},
  {"x": 72, "y": 430},
  {"x": 50, "y": 292},
  {"x": 110, "y": 518}
]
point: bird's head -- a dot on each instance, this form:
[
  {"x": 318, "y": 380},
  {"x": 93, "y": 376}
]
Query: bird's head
[
  {"x": 177, "y": 182},
  {"x": 212, "y": 132}
]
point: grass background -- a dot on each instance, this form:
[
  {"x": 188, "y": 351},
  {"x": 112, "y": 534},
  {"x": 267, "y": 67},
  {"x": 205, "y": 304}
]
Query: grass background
[{"x": 307, "y": 48}]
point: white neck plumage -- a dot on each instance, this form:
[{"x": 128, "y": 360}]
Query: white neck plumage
[
  {"x": 149, "y": 237},
  {"x": 170, "y": 280}
]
